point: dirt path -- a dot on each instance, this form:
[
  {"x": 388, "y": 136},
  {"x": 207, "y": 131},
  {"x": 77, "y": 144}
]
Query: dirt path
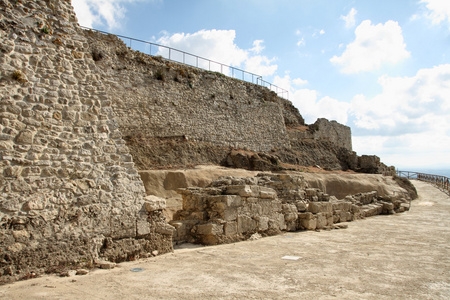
[{"x": 404, "y": 256}]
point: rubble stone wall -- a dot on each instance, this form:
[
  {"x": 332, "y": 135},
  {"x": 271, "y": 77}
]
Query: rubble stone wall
[
  {"x": 69, "y": 190},
  {"x": 157, "y": 98}
]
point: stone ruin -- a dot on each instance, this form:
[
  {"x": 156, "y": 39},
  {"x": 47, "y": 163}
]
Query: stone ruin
[
  {"x": 70, "y": 193},
  {"x": 233, "y": 209}
]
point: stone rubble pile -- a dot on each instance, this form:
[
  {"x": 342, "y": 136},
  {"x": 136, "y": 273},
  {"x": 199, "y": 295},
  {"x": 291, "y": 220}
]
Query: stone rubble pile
[{"x": 233, "y": 209}]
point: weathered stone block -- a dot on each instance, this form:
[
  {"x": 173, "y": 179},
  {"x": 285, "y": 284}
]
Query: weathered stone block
[
  {"x": 210, "y": 228},
  {"x": 306, "y": 216},
  {"x": 301, "y": 206},
  {"x": 317, "y": 207},
  {"x": 227, "y": 200},
  {"x": 25, "y": 137},
  {"x": 263, "y": 223},
  {"x": 308, "y": 224},
  {"x": 246, "y": 224},
  {"x": 321, "y": 221},
  {"x": 231, "y": 228},
  {"x": 230, "y": 214},
  {"x": 153, "y": 203},
  {"x": 241, "y": 190}
]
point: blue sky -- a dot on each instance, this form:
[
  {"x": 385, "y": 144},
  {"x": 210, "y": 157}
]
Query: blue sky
[{"x": 381, "y": 67}]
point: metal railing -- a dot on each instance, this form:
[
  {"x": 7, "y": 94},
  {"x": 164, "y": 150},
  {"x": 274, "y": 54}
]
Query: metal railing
[
  {"x": 193, "y": 60},
  {"x": 441, "y": 182}
]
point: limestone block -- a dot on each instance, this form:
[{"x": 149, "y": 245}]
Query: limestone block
[
  {"x": 255, "y": 209},
  {"x": 164, "y": 228},
  {"x": 281, "y": 222},
  {"x": 308, "y": 224},
  {"x": 317, "y": 207},
  {"x": 153, "y": 203},
  {"x": 266, "y": 193},
  {"x": 306, "y": 216},
  {"x": 241, "y": 190},
  {"x": 193, "y": 202},
  {"x": 25, "y": 137},
  {"x": 231, "y": 228},
  {"x": 143, "y": 227},
  {"x": 301, "y": 206},
  {"x": 321, "y": 221},
  {"x": 210, "y": 228},
  {"x": 227, "y": 200},
  {"x": 276, "y": 206},
  {"x": 263, "y": 223},
  {"x": 230, "y": 214},
  {"x": 246, "y": 224},
  {"x": 266, "y": 207},
  {"x": 290, "y": 212}
]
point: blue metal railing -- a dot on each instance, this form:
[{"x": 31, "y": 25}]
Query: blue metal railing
[
  {"x": 193, "y": 60},
  {"x": 442, "y": 182}
]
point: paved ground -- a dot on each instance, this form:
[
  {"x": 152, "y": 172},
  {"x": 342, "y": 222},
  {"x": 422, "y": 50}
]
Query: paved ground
[{"x": 404, "y": 256}]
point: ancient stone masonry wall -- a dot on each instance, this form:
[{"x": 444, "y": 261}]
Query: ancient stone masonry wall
[
  {"x": 157, "y": 98},
  {"x": 69, "y": 189},
  {"x": 233, "y": 209},
  {"x": 324, "y": 130}
]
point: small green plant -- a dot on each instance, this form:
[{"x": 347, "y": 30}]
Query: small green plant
[
  {"x": 45, "y": 30},
  {"x": 18, "y": 76}
]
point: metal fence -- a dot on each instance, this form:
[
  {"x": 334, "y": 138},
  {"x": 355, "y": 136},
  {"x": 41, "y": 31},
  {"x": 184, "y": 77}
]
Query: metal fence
[
  {"x": 193, "y": 60},
  {"x": 441, "y": 182}
]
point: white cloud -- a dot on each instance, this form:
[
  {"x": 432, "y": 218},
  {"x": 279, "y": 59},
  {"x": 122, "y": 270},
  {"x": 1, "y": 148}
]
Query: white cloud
[
  {"x": 322, "y": 32},
  {"x": 260, "y": 65},
  {"x": 349, "y": 19},
  {"x": 439, "y": 10},
  {"x": 92, "y": 13},
  {"x": 408, "y": 122},
  {"x": 374, "y": 45},
  {"x": 299, "y": 81},
  {"x": 406, "y": 104},
  {"x": 219, "y": 45},
  {"x": 309, "y": 103},
  {"x": 257, "y": 46},
  {"x": 301, "y": 42}
]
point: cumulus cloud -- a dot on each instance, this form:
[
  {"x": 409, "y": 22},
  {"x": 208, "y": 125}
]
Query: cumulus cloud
[
  {"x": 374, "y": 45},
  {"x": 407, "y": 104},
  {"x": 411, "y": 115},
  {"x": 219, "y": 45},
  {"x": 92, "y": 13},
  {"x": 310, "y": 104},
  {"x": 407, "y": 124},
  {"x": 349, "y": 19},
  {"x": 438, "y": 10}
]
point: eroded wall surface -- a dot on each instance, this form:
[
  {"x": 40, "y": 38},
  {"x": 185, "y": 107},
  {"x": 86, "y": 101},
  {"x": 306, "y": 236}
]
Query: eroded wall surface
[
  {"x": 157, "y": 98},
  {"x": 69, "y": 189}
]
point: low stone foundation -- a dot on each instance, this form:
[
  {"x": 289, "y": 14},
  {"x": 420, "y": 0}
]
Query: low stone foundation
[{"x": 233, "y": 209}]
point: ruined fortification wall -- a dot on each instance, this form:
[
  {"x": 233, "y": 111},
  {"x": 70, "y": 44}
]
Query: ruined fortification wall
[
  {"x": 157, "y": 98},
  {"x": 232, "y": 209},
  {"x": 69, "y": 189},
  {"x": 334, "y": 132},
  {"x": 70, "y": 192}
]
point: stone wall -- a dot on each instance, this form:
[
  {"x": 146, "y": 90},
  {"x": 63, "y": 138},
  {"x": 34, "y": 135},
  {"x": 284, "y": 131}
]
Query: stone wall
[
  {"x": 232, "y": 209},
  {"x": 153, "y": 97},
  {"x": 69, "y": 190}
]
